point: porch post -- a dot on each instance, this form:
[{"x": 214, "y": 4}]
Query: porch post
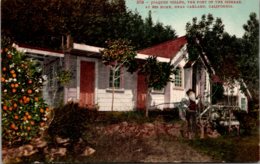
[{"x": 67, "y": 46}]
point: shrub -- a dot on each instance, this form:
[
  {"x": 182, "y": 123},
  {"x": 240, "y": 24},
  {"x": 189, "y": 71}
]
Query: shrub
[
  {"x": 70, "y": 121},
  {"x": 23, "y": 109},
  {"x": 248, "y": 121}
]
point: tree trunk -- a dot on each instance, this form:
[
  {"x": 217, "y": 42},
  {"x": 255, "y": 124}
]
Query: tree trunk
[
  {"x": 113, "y": 89},
  {"x": 147, "y": 102}
]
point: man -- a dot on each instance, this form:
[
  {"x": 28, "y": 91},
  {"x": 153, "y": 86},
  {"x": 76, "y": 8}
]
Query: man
[{"x": 191, "y": 113}]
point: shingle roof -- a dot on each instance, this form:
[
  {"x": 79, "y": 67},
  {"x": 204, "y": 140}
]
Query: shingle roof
[{"x": 166, "y": 49}]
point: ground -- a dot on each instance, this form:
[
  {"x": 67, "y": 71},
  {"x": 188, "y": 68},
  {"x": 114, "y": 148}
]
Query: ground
[{"x": 130, "y": 137}]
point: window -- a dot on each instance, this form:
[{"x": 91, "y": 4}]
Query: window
[
  {"x": 243, "y": 103},
  {"x": 178, "y": 78},
  {"x": 117, "y": 79}
]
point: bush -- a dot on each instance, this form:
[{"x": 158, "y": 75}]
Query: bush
[
  {"x": 23, "y": 109},
  {"x": 70, "y": 121},
  {"x": 248, "y": 121}
]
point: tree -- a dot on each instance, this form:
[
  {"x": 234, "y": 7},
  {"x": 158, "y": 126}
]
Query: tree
[
  {"x": 208, "y": 37},
  {"x": 248, "y": 59},
  {"x": 234, "y": 59},
  {"x": 90, "y": 22},
  {"x": 157, "y": 75},
  {"x": 117, "y": 55},
  {"x": 23, "y": 108}
]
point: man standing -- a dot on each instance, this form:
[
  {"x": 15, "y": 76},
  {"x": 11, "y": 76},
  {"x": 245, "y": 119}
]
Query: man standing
[{"x": 191, "y": 113}]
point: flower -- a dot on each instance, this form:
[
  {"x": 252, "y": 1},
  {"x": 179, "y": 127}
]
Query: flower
[
  {"x": 22, "y": 90},
  {"x": 5, "y": 90}
]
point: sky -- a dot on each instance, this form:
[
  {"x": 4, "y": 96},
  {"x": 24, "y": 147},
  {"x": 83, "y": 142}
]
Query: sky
[{"x": 233, "y": 18}]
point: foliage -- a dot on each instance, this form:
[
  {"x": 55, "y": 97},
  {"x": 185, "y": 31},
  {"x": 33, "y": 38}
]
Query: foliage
[
  {"x": 208, "y": 36},
  {"x": 89, "y": 22},
  {"x": 232, "y": 58},
  {"x": 229, "y": 149},
  {"x": 248, "y": 60},
  {"x": 248, "y": 121},
  {"x": 217, "y": 92},
  {"x": 69, "y": 122},
  {"x": 64, "y": 77},
  {"x": 117, "y": 55},
  {"x": 157, "y": 75},
  {"x": 23, "y": 108}
]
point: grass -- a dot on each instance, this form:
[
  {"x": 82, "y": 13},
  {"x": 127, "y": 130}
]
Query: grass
[{"x": 230, "y": 148}]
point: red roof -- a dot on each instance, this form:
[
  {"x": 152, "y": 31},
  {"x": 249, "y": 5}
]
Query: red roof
[{"x": 166, "y": 49}]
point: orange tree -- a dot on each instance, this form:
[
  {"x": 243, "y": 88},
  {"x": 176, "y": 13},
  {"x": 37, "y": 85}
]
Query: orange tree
[{"x": 23, "y": 109}]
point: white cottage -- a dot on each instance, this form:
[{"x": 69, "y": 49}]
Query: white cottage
[{"x": 91, "y": 80}]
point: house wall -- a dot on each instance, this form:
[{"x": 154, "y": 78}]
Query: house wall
[
  {"x": 72, "y": 86},
  {"x": 235, "y": 91},
  {"x": 178, "y": 93},
  {"x": 124, "y": 98}
]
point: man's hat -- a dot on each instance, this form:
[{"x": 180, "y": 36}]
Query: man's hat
[{"x": 190, "y": 90}]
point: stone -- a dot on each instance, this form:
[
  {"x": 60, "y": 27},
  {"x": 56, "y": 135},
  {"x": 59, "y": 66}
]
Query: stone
[
  {"x": 124, "y": 123},
  {"x": 149, "y": 125},
  {"x": 39, "y": 143},
  {"x": 27, "y": 153},
  {"x": 59, "y": 151},
  {"x": 61, "y": 140},
  {"x": 88, "y": 151}
]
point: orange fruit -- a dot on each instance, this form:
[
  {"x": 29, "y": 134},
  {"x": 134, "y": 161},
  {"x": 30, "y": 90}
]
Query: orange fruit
[
  {"x": 29, "y": 117},
  {"x": 36, "y": 98},
  {"x": 32, "y": 122},
  {"x": 16, "y": 85},
  {"x": 30, "y": 82},
  {"x": 27, "y": 114},
  {"x": 42, "y": 124},
  {"x": 4, "y": 69},
  {"x": 24, "y": 97},
  {"x": 15, "y": 105},
  {"x": 28, "y": 99},
  {"x": 14, "y": 75},
  {"x": 2, "y": 79},
  {"x": 28, "y": 128},
  {"x": 29, "y": 91},
  {"x": 12, "y": 71},
  {"x": 12, "y": 85},
  {"x": 16, "y": 117},
  {"x": 13, "y": 90},
  {"x": 9, "y": 56},
  {"x": 10, "y": 108},
  {"x": 24, "y": 118},
  {"x": 13, "y": 126},
  {"x": 4, "y": 107},
  {"x": 42, "y": 110},
  {"x": 20, "y": 101}
]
